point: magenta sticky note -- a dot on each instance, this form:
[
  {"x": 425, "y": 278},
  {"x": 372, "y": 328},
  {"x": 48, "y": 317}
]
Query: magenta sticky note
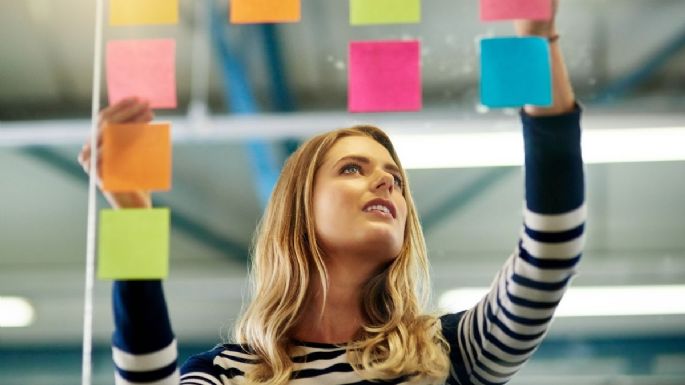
[
  {"x": 143, "y": 68},
  {"x": 384, "y": 76},
  {"x": 515, "y": 9}
]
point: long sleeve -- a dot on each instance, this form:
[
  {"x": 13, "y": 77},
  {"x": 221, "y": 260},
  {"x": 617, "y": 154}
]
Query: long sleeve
[
  {"x": 143, "y": 344},
  {"x": 493, "y": 340}
]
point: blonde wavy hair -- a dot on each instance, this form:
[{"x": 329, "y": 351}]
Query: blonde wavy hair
[{"x": 397, "y": 340}]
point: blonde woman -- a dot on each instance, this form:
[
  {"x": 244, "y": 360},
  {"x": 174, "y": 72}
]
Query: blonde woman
[{"x": 340, "y": 273}]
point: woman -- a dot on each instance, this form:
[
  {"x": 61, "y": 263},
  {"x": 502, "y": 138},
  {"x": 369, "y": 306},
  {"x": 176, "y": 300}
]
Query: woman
[{"x": 340, "y": 272}]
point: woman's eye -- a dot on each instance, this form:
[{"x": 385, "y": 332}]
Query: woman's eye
[
  {"x": 398, "y": 181},
  {"x": 350, "y": 169}
]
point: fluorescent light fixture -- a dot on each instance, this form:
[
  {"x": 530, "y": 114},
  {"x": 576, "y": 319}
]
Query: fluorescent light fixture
[
  {"x": 489, "y": 149},
  {"x": 592, "y": 301},
  {"x": 15, "y": 312}
]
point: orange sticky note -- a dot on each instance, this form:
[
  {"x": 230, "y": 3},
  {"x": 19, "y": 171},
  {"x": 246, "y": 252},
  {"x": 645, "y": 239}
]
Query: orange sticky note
[
  {"x": 136, "y": 12},
  {"x": 136, "y": 157},
  {"x": 265, "y": 11}
]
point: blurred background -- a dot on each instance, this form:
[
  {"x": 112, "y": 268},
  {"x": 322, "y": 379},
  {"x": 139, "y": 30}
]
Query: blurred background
[{"x": 249, "y": 94}]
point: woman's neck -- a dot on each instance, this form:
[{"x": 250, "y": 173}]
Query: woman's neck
[{"x": 342, "y": 315}]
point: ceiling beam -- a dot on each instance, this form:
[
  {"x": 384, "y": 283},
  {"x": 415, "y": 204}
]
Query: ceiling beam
[{"x": 179, "y": 221}]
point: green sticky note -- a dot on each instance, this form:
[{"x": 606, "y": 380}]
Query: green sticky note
[
  {"x": 384, "y": 11},
  {"x": 133, "y": 244}
]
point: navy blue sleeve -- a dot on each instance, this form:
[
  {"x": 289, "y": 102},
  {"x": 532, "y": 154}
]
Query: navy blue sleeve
[
  {"x": 143, "y": 345},
  {"x": 449, "y": 323},
  {"x": 554, "y": 165}
]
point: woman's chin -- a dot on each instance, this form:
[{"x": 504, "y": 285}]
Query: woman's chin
[
  {"x": 380, "y": 243},
  {"x": 372, "y": 240}
]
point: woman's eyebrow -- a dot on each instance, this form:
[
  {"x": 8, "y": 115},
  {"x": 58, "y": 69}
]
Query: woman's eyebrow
[{"x": 362, "y": 159}]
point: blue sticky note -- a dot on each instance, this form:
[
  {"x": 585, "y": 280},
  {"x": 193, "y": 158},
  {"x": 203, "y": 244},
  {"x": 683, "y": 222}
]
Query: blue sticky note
[{"x": 515, "y": 71}]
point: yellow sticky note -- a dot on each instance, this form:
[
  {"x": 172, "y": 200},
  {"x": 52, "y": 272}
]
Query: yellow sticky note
[
  {"x": 135, "y": 12},
  {"x": 133, "y": 244},
  {"x": 264, "y": 11},
  {"x": 136, "y": 157},
  {"x": 384, "y": 11}
]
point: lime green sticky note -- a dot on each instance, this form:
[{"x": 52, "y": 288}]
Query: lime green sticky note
[
  {"x": 133, "y": 244},
  {"x": 384, "y": 11}
]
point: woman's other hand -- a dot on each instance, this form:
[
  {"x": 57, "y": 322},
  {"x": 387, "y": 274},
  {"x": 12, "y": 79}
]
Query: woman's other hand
[
  {"x": 563, "y": 97},
  {"x": 543, "y": 28},
  {"x": 130, "y": 110}
]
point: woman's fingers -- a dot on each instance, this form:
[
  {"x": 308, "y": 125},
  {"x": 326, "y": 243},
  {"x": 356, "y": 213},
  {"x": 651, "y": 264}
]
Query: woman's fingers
[
  {"x": 545, "y": 28},
  {"x": 128, "y": 114},
  {"x": 129, "y": 110},
  {"x": 109, "y": 111},
  {"x": 144, "y": 116},
  {"x": 84, "y": 157}
]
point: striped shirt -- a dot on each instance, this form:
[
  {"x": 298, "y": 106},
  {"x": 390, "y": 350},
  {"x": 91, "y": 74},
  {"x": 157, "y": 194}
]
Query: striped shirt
[{"x": 489, "y": 343}]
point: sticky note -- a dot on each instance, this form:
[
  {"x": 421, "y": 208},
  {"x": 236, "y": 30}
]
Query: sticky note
[
  {"x": 136, "y": 12},
  {"x": 384, "y": 11},
  {"x": 133, "y": 244},
  {"x": 143, "y": 68},
  {"x": 264, "y": 11},
  {"x": 515, "y": 71},
  {"x": 136, "y": 157},
  {"x": 515, "y": 9},
  {"x": 384, "y": 76}
]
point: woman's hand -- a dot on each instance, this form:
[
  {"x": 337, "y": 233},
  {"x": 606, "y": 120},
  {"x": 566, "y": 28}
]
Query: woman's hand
[
  {"x": 130, "y": 110},
  {"x": 543, "y": 28},
  {"x": 563, "y": 97}
]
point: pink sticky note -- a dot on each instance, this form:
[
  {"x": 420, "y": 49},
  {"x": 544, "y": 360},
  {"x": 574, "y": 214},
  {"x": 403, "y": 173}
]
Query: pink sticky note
[
  {"x": 143, "y": 68},
  {"x": 384, "y": 76},
  {"x": 515, "y": 9}
]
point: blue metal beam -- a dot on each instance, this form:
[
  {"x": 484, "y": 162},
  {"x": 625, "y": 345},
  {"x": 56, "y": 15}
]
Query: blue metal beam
[
  {"x": 281, "y": 96},
  {"x": 464, "y": 196},
  {"x": 240, "y": 100},
  {"x": 179, "y": 221},
  {"x": 635, "y": 78}
]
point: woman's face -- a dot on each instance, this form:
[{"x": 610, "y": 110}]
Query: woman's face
[{"x": 359, "y": 207}]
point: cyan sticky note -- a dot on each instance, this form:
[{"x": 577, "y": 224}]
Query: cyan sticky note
[
  {"x": 515, "y": 71},
  {"x": 384, "y": 11},
  {"x": 144, "y": 68},
  {"x": 384, "y": 76},
  {"x": 133, "y": 244},
  {"x": 515, "y": 9}
]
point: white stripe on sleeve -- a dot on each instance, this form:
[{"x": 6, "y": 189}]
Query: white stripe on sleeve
[
  {"x": 557, "y": 222},
  {"x": 171, "y": 379},
  {"x": 186, "y": 379},
  {"x": 144, "y": 362}
]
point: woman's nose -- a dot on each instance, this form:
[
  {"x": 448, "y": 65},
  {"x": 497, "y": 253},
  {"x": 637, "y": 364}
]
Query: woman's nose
[{"x": 384, "y": 181}]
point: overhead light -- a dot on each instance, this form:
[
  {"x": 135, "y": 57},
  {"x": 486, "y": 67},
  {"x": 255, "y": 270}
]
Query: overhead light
[
  {"x": 592, "y": 301},
  {"x": 490, "y": 149},
  {"x": 15, "y": 312}
]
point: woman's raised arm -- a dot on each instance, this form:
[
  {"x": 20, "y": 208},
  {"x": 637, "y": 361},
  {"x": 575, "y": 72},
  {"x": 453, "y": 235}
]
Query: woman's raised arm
[
  {"x": 495, "y": 338},
  {"x": 143, "y": 343}
]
